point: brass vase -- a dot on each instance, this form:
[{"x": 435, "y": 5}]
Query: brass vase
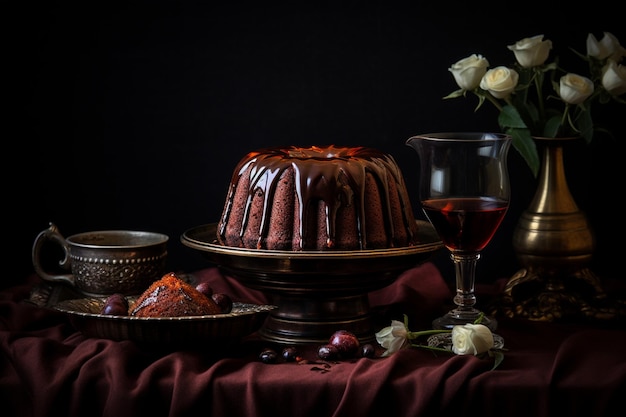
[{"x": 554, "y": 244}]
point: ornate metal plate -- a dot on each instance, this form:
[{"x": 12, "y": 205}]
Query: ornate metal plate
[{"x": 219, "y": 329}]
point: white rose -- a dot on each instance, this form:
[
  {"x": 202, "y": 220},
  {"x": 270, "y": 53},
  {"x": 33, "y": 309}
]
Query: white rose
[
  {"x": 531, "y": 52},
  {"x": 471, "y": 339},
  {"x": 574, "y": 88},
  {"x": 393, "y": 338},
  {"x": 614, "y": 78},
  {"x": 500, "y": 81},
  {"x": 608, "y": 47},
  {"x": 469, "y": 71}
]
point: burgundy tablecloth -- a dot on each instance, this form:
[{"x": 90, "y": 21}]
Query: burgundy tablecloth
[{"x": 47, "y": 367}]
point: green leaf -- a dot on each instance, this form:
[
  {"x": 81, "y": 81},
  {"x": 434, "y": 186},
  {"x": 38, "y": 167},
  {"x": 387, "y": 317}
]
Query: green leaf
[
  {"x": 525, "y": 145},
  {"x": 498, "y": 357},
  {"x": 455, "y": 94},
  {"x": 584, "y": 124},
  {"x": 509, "y": 117},
  {"x": 551, "y": 129},
  {"x": 532, "y": 113},
  {"x": 550, "y": 67},
  {"x": 512, "y": 123},
  {"x": 481, "y": 100}
]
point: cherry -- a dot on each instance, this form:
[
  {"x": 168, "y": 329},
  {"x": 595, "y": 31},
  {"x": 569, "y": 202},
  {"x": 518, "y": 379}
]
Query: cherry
[
  {"x": 367, "y": 350},
  {"x": 290, "y": 354},
  {"x": 328, "y": 352},
  {"x": 268, "y": 356},
  {"x": 205, "y": 288},
  {"x": 223, "y": 301}
]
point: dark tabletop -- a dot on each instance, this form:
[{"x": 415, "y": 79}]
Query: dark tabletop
[{"x": 47, "y": 366}]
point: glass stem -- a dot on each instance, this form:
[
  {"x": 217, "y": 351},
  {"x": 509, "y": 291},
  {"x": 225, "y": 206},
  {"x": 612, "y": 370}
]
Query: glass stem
[{"x": 465, "y": 269}]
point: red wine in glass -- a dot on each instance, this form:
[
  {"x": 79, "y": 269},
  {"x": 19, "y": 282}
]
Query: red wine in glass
[
  {"x": 465, "y": 224},
  {"x": 464, "y": 191}
]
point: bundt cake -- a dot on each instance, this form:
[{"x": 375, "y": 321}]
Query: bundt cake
[
  {"x": 317, "y": 198},
  {"x": 170, "y": 296}
]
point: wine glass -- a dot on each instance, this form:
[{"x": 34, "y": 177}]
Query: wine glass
[{"x": 464, "y": 192}]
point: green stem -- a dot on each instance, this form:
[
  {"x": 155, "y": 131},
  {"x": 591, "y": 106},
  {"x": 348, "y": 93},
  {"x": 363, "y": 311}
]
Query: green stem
[
  {"x": 564, "y": 118},
  {"x": 539, "y": 87},
  {"x": 415, "y": 335},
  {"x": 430, "y": 348},
  {"x": 493, "y": 101},
  {"x": 479, "y": 319}
]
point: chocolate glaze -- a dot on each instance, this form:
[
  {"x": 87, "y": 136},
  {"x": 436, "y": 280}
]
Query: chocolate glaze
[{"x": 320, "y": 175}]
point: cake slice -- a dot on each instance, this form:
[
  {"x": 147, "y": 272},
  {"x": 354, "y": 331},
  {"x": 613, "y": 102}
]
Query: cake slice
[{"x": 170, "y": 296}]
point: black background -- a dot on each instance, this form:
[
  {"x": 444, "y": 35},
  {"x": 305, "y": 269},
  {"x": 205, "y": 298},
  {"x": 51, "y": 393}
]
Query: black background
[{"x": 133, "y": 116}]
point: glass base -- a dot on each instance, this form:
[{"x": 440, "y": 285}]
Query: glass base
[
  {"x": 444, "y": 341},
  {"x": 462, "y": 317}
]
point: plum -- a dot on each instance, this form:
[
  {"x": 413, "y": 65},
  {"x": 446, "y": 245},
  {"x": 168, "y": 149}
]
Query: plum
[
  {"x": 346, "y": 342},
  {"x": 115, "y": 305}
]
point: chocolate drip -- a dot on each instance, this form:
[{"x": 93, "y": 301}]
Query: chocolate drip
[{"x": 339, "y": 180}]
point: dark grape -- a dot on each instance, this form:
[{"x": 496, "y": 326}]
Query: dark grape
[
  {"x": 223, "y": 301},
  {"x": 367, "y": 350},
  {"x": 328, "y": 352},
  {"x": 115, "y": 305},
  {"x": 205, "y": 288},
  {"x": 268, "y": 356},
  {"x": 290, "y": 354},
  {"x": 346, "y": 343}
]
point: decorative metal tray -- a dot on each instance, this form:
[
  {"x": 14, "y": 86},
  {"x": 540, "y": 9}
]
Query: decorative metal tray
[{"x": 223, "y": 329}]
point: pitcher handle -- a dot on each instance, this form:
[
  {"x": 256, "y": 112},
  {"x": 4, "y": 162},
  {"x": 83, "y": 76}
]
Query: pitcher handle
[{"x": 52, "y": 234}]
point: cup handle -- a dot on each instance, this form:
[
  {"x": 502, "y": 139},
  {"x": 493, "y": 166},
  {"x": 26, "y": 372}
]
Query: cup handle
[{"x": 52, "y": 234}]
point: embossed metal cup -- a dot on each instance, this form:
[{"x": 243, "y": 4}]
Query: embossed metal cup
[{"x": 105, "y": 262}]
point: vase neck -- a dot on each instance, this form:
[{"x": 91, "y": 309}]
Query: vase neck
[{"x": 553, "y": 194}]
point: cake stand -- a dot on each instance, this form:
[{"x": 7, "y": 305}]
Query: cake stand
[{"x": 317, "y": 292}]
